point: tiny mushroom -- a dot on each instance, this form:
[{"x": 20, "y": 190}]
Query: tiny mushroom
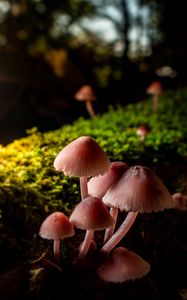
[
  {"x": 90, "y": 214},
  {"x": 123, "y": 265},
  {"x": 179, "y": 201},
  {"x": 142, "y": 131},
  {"x": 98, "y": 186},
  {"x": 56, "y": 227},
  {"x": 83, "y": 158},
  {"x": 86, "y": 95},
  {"x": 138, "y": 190},
  {"x": 155, "y": 89}
]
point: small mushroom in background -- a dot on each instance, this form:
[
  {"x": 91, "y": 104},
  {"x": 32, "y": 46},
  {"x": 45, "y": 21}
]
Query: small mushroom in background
[
  {"x": 179, "y": 201},
  {"x": 155, "y": 90},
  {"x": 83, "y": 158},
  {"x": 56, "y": 227},
  {"x": 142, "y": 131},
  {"x": 90, "y": 214},
  {"x": 123, "y": 265},
  {"x": 138, "y": 190},
  {"x": 86, "y": 94}
]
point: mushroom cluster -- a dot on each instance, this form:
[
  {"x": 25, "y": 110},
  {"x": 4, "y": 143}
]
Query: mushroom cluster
[{"x": 112, "y": 187}]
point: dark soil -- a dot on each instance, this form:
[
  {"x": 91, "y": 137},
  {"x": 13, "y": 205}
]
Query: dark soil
[{"x": 160, "y": 238}]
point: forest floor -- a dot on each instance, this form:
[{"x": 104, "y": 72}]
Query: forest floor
[{"x": 28, "y": 271}]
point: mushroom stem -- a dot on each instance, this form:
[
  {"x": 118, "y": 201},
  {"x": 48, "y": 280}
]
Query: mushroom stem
[
  {"x": 83, "y": 187},
  {"x": 90, "y": 109},
  {"x": 86, "y": 243},
  {"x": 120, "y": 233},
  {"x": 142, "y": 139},
  {"x": 155, "y": 103},
  {"x": 56, "y": 250},
  {"x": 110, "y": 231},
  {"x": 89, "y": 234}
]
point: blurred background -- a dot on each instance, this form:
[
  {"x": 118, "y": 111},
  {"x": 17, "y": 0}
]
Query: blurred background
[{"x": 49, "y": 49}]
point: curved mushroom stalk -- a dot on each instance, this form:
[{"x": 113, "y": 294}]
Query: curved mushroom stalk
[
  {"x": 121, "y": 232},
  {"x": 86, "y": 243},
  {"x": 90, "y": 109},
  {"x": 109, "y": 231}
]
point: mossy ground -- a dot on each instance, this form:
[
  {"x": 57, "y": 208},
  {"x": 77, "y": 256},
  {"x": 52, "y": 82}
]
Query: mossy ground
[{"x": 30, "y": 189}]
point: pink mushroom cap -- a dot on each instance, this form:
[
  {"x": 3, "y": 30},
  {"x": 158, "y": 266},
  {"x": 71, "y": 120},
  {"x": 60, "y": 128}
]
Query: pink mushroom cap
[
  {"x": 139, "y": 189},
  {"x": 155, "y": 88},
  {"x": 123, "y": 265},
  {"x": 142, "y": 130},
  {"x": 56, "y": 226},
  {"x": 91, "y": 213},
  {"x": 98, "y": 186},
  {"x": 82, "y": 157},
  {"x": 85, "y": 93}
]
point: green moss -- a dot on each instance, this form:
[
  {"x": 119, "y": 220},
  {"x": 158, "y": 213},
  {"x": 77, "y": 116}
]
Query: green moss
[{"x": 31, "y": 187}]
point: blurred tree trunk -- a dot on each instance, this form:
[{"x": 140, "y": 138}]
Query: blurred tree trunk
[{"x": 126, "y": 26}]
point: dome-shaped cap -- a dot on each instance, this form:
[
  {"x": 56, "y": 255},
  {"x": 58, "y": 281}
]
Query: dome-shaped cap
[
  {"x": 139, "y": 189},
  {"x": 98, "y": 186},
  {"x": 179, "y": 201},
  {"x": 56, "y": 226},
  {"x": 142, "y": 130},
  {"x": 82, "y": 157},
  {"x": 85, "y": 93},
  {"x": 91, "y": 213},
  {"x": 155, "y": 88},
  {"x": 123, "y": 265}
]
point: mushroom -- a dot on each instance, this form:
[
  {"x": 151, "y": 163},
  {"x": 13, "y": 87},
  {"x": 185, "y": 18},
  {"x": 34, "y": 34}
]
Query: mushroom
[
  {"x": 98, "y": 186},
  {"x": 56, "y": 227},
  {"x": 179, "y": 201},
  {"x": 138, "y": 190},
  {"x": 83, "y": 158},
  {"x": 155, "y": 90},
  {"x": 87, "y": 95},
  {"x": 90, "y": 214},
  {"x": 142, "y": 131},
  {"x": 123, "y": 265}
]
